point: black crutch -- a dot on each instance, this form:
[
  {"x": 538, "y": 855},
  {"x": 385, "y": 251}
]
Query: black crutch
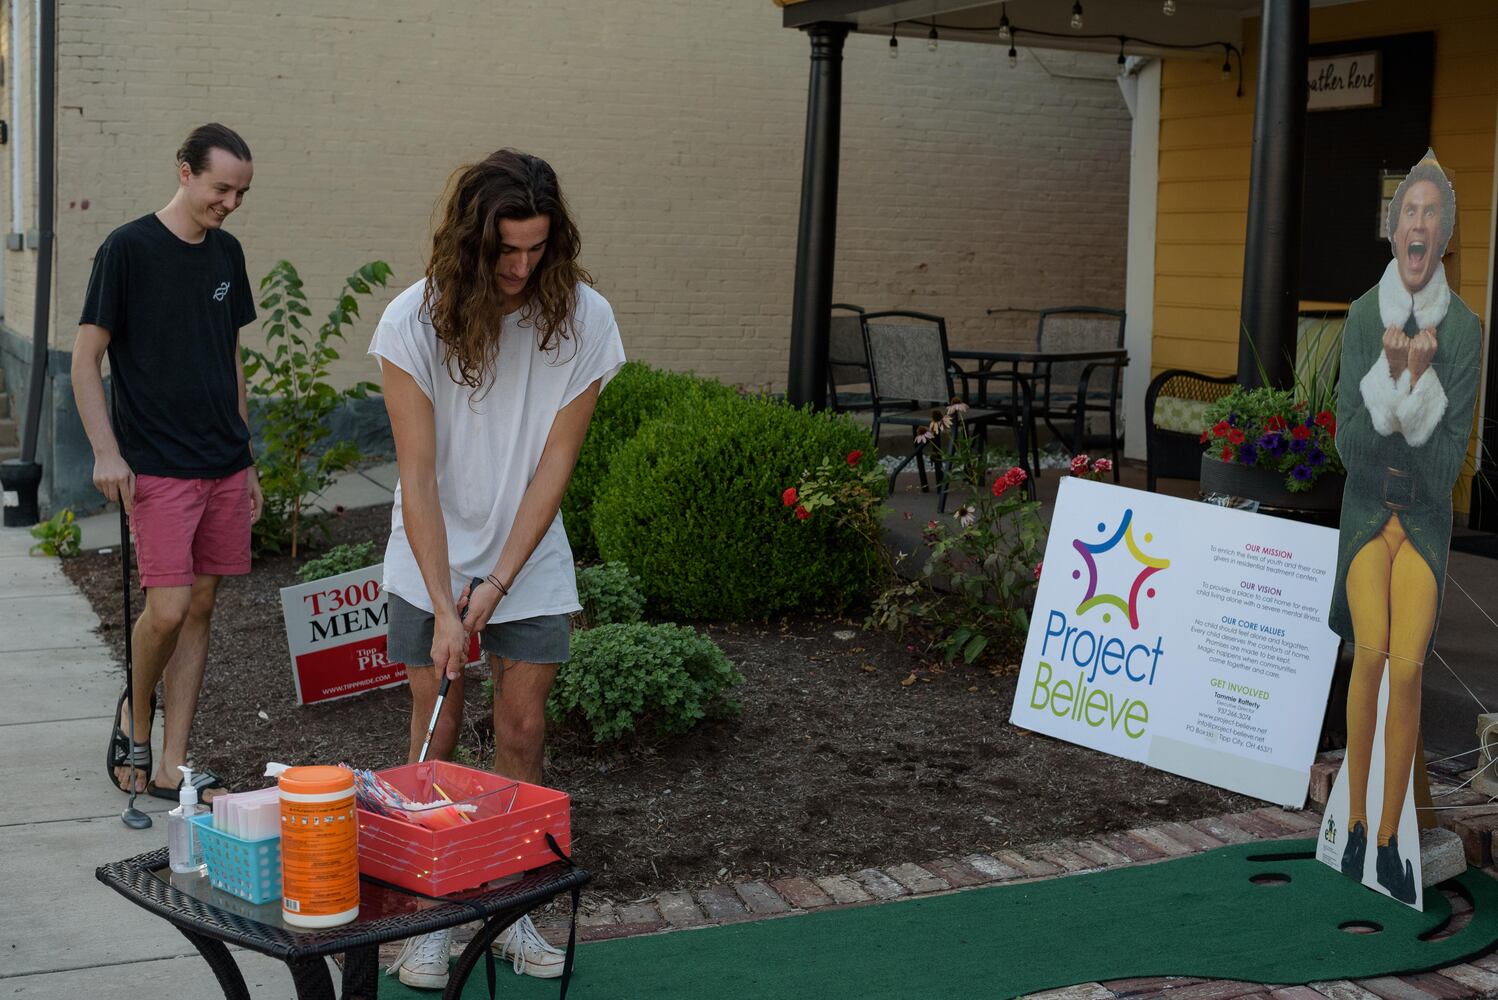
[{"x": 131, "y": 816}]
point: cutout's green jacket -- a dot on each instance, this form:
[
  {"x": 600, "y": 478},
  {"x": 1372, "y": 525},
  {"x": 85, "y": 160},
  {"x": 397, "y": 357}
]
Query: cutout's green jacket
[{"x": 1403, "y": 447}]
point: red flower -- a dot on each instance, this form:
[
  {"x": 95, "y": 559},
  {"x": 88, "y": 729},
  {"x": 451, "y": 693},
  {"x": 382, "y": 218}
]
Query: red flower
[
  {"x": 1078, "y": 465},
  {"x": 1236, "y": 435},
  {"x": 1000, "y": 485},
  {"x": 1300, "y": 432},
  {"x": 1325, "y": 419},
  {"x": 1275, "y": 423},
  {"x": 789, "y": 497},
  {"x": 854, "y": 456},
  {"x": 1220, "y": 428},
  {"x": 1015, "y": 476},
  {"x": 1203, "y": 438},
  {"x": 1103, "y": 465},
  {"x": 1227, "y": 454},
  {"x": 802, "y": 513},
  {"x": 1037, "y": 568}
]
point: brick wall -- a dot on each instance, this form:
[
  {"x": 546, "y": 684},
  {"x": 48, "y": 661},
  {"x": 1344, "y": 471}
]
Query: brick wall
[{"x": 676, "y": 127}]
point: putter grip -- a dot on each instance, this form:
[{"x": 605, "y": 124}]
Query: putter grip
[{"x": 442, "y": 688}]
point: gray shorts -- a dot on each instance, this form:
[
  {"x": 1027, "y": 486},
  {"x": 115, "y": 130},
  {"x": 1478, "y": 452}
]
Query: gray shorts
[{"x": 546, "y": 639}]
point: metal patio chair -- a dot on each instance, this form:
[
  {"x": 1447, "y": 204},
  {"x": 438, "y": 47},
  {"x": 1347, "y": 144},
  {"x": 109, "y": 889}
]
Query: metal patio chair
[
  {"x": 1067, "y": 393},
  {"x": 848, "y": 387},
  {"x": 911, "y": 376}
]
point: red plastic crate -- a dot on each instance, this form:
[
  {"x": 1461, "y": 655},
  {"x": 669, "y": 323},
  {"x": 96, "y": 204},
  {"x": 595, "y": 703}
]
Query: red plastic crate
[{"x": 507, "y": 835}]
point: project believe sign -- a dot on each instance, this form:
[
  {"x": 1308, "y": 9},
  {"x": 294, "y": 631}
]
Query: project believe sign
[
  {"x": 1184, "y": 635},
  {"x": 335, "y": 628}
]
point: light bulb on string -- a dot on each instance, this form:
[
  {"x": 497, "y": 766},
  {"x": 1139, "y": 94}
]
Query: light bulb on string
[
  {"x": 1013, "y": 57},
  {"x": 1121, "y": 59},
  {"x": 1227, "y": 63},
  {"x": 1076, "y": 16},
  {"x": 1004, "y": 35},
  {"x": 894, "y": 43},
  {"x": 931, "y": 40},
  {"x": 1168, "y": 8}
]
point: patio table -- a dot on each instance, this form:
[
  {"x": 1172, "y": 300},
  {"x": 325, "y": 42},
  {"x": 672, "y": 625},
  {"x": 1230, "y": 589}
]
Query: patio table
[
  {"x": 1028, "y": 367},
  {"x": 212, "y": 920}
]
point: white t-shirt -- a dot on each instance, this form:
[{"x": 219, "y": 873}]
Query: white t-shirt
[{"x": 489, "y": 444}]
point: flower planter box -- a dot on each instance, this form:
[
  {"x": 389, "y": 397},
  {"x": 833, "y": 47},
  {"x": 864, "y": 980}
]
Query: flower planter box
[{"x": 1320, "y": 504}]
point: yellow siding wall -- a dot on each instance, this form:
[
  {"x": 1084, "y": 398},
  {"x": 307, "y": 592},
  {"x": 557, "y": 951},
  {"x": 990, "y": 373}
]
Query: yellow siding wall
[{"x": 1205, "y": 135}]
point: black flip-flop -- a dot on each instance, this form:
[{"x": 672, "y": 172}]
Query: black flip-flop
[
  {"x": 121, "y": 752},
  {"x": 203, "y": 781}
]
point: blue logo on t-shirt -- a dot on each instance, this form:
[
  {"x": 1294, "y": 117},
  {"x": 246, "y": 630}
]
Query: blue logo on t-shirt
[{"x": 221, "y": 292}]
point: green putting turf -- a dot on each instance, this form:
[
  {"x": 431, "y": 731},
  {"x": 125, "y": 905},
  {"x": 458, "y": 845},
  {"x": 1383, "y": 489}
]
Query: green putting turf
[{"x": 1199, "y": 916}]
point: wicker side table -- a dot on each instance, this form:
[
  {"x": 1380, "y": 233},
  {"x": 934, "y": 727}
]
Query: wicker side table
[{"x": 212, "y": 920}]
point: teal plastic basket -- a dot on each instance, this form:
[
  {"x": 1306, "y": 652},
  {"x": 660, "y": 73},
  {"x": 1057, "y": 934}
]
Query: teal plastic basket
[{"x": 249, "y": 869}]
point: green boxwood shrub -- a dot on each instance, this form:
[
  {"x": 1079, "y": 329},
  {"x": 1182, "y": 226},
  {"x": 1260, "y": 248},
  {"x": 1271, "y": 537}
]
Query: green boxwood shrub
[
  {"x": 634, "y": 395},
  {"x": 637, "y": 679},
  {"x": 338, "y": 559},
  {"x": 610, "y": 594},
  {"x": 693, "y": 506}
]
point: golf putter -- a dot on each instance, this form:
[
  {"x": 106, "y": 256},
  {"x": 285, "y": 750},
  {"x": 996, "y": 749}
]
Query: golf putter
[
  {"x": 441, "y": 691},
  {"x": 131, "y": 816}
]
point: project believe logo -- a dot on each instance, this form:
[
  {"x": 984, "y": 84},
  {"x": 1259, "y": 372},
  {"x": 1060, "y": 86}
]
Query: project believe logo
[
  {"x": 1147, "y": 565},
  {"x": 1114, "y": 670}
]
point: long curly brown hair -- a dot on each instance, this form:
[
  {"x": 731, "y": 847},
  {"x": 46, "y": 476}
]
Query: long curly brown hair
[{"x": 463, "y": 299}]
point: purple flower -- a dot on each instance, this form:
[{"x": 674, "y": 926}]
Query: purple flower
[
  {"x": 1299, "y": 445},
  {"x": 1315, "y": 456},
  {"x": 1248, "y": 454},
  {"x": 1302, "y": 473},
  {"x": 1274, "y": 443}
]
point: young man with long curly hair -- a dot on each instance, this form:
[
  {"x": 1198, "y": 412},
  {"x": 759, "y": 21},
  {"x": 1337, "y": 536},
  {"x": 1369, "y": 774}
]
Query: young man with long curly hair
[{"x": 492, "y": 366}]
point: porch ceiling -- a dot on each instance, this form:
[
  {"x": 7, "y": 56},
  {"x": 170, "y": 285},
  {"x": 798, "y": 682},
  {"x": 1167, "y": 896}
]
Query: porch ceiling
[{"x": 1207, "y": 23}]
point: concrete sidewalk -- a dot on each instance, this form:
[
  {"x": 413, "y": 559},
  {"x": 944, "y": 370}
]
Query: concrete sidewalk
[{"x": 62, "y": 934}]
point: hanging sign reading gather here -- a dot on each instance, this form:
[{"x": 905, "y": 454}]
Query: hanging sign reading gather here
[{"x": 1350, "y": 80}]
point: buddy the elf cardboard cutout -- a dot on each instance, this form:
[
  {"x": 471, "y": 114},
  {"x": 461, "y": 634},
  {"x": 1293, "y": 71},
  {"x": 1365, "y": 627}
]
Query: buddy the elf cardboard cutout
[{"x": 1411, "y": 352}]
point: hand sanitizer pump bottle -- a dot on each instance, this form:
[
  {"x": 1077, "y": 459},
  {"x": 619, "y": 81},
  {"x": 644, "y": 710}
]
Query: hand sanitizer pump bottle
[{"x": 182, "y": 848}]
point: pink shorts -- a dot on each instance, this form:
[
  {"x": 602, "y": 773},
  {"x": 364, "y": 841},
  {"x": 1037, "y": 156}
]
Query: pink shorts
[{"x": 186, "y": 528}]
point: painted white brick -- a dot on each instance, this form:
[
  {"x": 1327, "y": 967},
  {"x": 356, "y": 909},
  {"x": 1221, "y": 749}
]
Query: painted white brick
[{"x": 677, "y": 130}]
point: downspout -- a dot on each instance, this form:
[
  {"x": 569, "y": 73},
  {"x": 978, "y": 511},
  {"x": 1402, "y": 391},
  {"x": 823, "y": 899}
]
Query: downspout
[
  {"x": 17, "y": 134},
  {"x": 24, "y": 477}
]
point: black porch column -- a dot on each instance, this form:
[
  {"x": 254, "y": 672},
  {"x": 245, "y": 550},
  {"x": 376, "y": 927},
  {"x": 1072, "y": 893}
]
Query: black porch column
[
  {"x": 816, "y": 239},
  {"x": 1271, "y": 252}
]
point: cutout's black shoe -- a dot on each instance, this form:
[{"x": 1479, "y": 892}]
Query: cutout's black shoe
[
  {"x": 1355, "y": 851},
  {"x": 1399, "y": 882}
]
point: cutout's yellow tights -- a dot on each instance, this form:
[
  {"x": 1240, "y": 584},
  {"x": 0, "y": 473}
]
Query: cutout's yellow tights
[{"x": 1391, "y": 594}]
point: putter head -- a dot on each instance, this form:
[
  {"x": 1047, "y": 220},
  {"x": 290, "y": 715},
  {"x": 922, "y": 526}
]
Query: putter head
[{"x": 131, "y": 816}]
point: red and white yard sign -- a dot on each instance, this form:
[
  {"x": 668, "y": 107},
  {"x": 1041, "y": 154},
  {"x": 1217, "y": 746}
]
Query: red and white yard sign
[{"x": 335, "y": 628}]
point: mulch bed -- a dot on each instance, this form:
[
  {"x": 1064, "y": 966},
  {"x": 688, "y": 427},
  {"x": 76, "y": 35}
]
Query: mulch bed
[{"x": 855, "y": 749}]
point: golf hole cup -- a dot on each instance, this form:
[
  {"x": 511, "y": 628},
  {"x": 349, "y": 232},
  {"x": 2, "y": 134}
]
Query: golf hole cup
[{"x": 319, "y": 847}]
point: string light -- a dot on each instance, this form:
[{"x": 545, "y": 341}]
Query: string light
[
  {"x": 1168, "y": 8},
  {"x": 931, "y": 38},
  {"x": 1009, "y": 33},
  {"x": 894, "y": 43},
  {"x": 1121, "y": 59}
]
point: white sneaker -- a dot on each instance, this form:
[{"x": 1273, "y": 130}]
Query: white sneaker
[
  {"x": 422, "y": 963},
  {"x": 530, "y": 953}
]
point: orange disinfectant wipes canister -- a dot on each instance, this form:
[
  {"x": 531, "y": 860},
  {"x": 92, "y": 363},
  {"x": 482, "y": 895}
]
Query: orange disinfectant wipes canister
[{"x": 319, "y": 847}]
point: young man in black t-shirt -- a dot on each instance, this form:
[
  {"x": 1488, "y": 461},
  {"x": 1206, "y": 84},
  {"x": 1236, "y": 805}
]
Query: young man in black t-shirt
[{"x": 166, "y": 300}]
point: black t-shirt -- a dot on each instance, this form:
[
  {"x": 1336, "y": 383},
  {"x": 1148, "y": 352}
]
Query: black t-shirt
[{"x": 173, "y": 311}]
